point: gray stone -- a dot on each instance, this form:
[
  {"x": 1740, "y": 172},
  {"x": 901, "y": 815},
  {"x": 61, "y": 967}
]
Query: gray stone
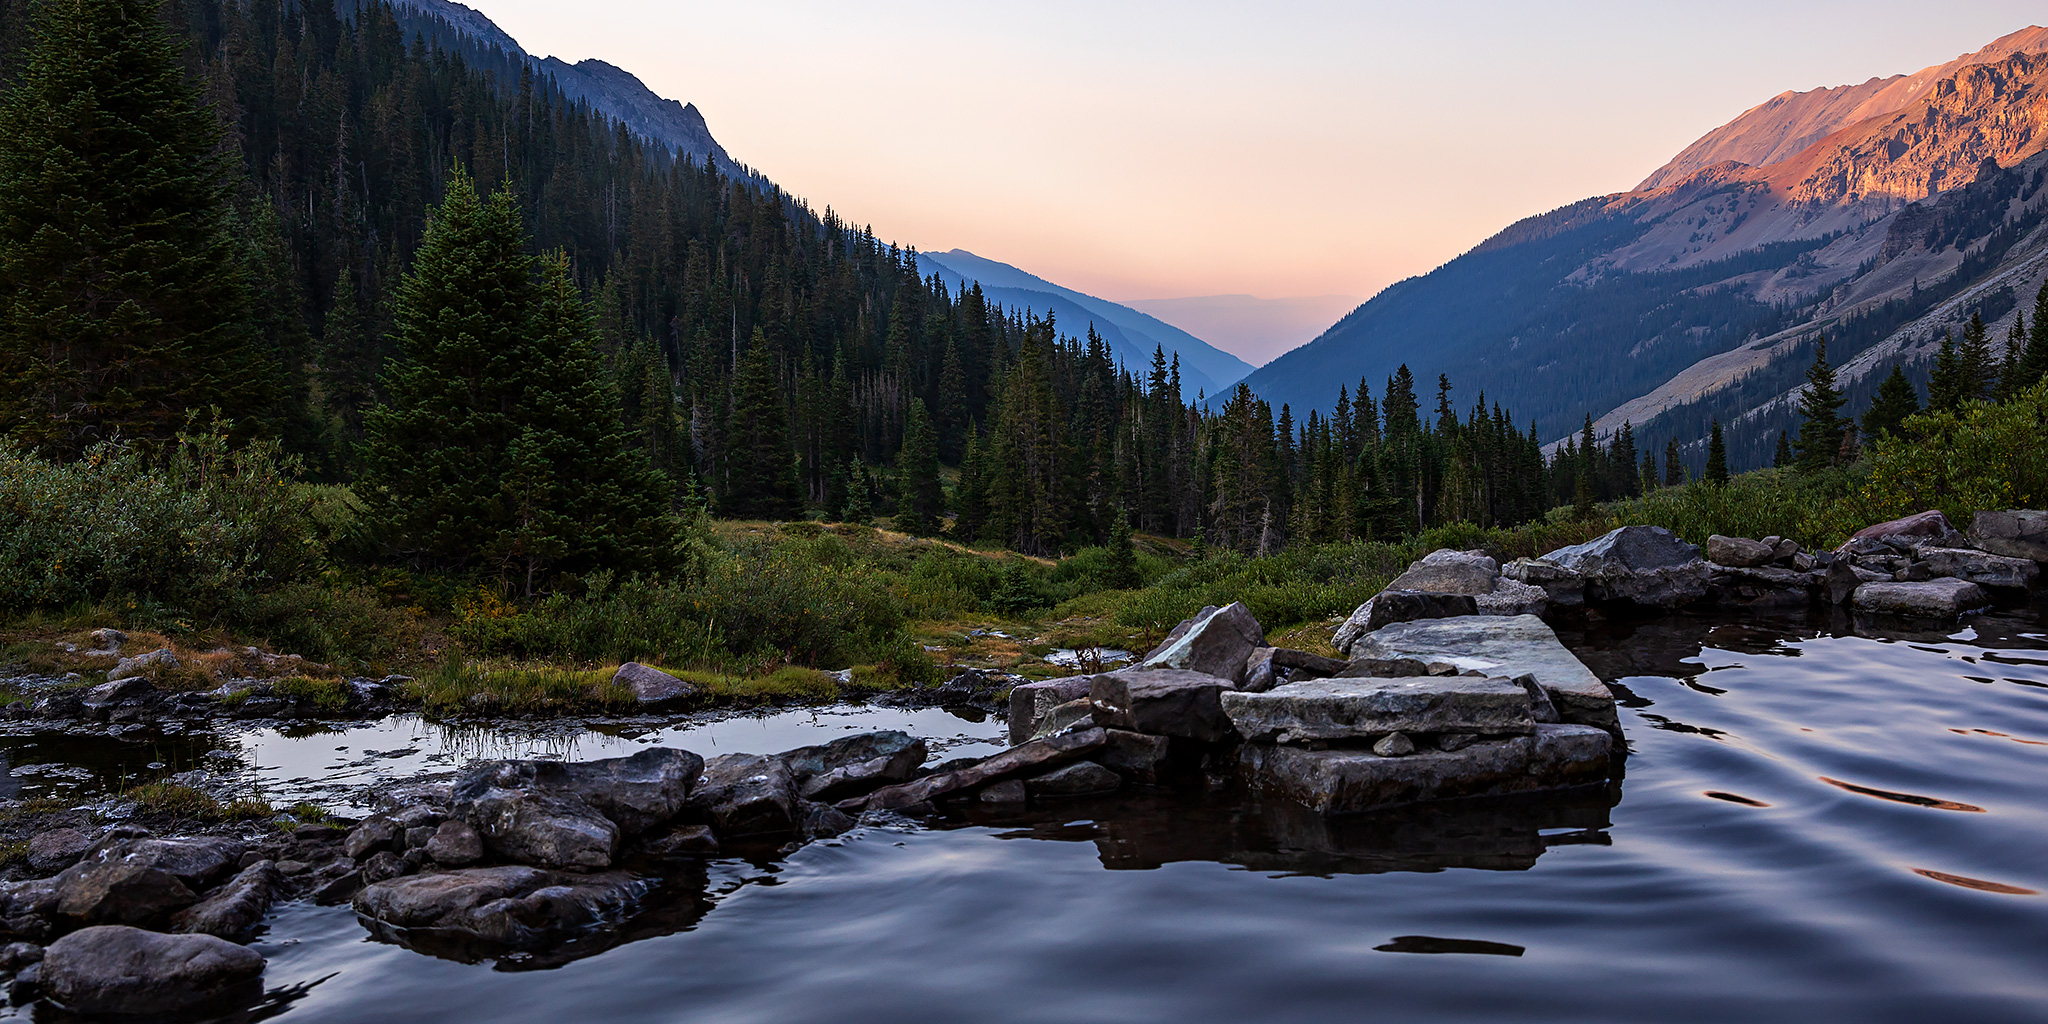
[
  {"x": 1981, "y": 568},
  {"x": 854, "y": 764},
  {"x": 1510, "y": 597},
  {"x": 1394, "y": 744},
  {"x": 373, "y": 833},
  {"x": 1031, "y": 701},
  {"x": 1805, "y": 562},
  {"x": 59, "y": 848},
  {"x": 1455, "y": 740},
  {"x": 571, "y": 815},
  {"x": 846, "y": 780},
  {"x": 1074, "y": 714},
  {"x": 1163, "y": 702},
  {"x": 1506, "y": 647},
  {"x": 108, "y": 641},
  {"x": 417, "y": 815},
  {"x": 1906, "y": 534},
  {"x": 508, "y": 906},
  {"x": 1081, "y": 778},
  {"x": 114, "y": 969},
  {"x": 144, "y": 665},
  {"x": 1766, "y": 585},
  {"x": 1270, "y": 666},
  {"x": 1140, "y": 758},
  {"x": 29, "y": 908},
  {"x": 1917, "y": 572},
  {"x": 652, "y": 686},
  {"x": 684, "y": 841},
  {"x": 1643, "y": 565},
  {"x": 1933, "y": 599},
  {"x": 1010, "y": 791},
  {"x": 1348, "y": 781},
  {"x": 1541, "y": 708},
  {"x": 1565, "y": 588},
  {"x": 233, "y": 910},
  {"x": 16, "y": 955},
  {"x": 533, "y": 826},
  {"x": 141, "y": 881},
  {"x": 2015, "y": 533},
  {"x": 1391, "y": 606},
  {"x": 1841, "y": 582},
  {"x": 823, "y": 821},
  {"x": 415, "y": 837},
  {"x": 382, "y": 865},
  {"x": 1053, "y": 750},
  {"x": 1362, "y": 708},
  {"x": 1740, "y": 552},
  {"x": 1450, "y": 572},
  {"x": 1784, "y": 549},
  {"x": 1217, "y": 643},
  {"x": 747, "y": 794}
]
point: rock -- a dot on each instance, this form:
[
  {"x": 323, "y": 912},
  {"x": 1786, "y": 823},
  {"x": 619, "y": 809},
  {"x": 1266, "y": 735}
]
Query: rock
[
  {"x": 1135, "y": 756},
  {"x": 1643, "y": 565},
  {"x": 116, "y": 693},
  {"x": 1081, "y": 778},
  {"x": 1394, "y": 744},
  {"x": 651, "y": 686},
  {"x": 1766, "y": 585},
  {"x": 1917, "y": 572},
  {"x": 1217, "y": 643},
  {"x": 1074, "y": 714},
  {"x": 854, "y": 764},
  {"x": 539, "y": 827},
  {"x": 1507, "y": 647},
  {"x": 117, "y": 969},
  {"x": 1510, "y": 597},
  {"x": 16, "y": 955},
  {"x": 1030, "y": 702},
  {"x": 1565, "y": 588},
  {"x": 431, "y": 795},
  {"x": 1804, "y": 562},
  {"x": 382, "y": 865},
  {"x": 1391, "y": 606},
  {"x": 1541, "y": 707},
  {"x": 1363, "y": 708},
  {"x": 508, "y": 906},
  {"x": 1784, "y": 549},
  {"x": 1010, "y": 792},
  {"x": 1908, "y": 533},
  {"x": 1741, "y": 552},
  {"x": 747, "y": 794},
  {"x": 685, "y": 841},
  {"x": 29, "y": 908},
  {"x": 370, "y": 835},
  {"x": 823, "y": 821},
  {"x": 1455, "y": 740},
  {"x": 455, "y": 844},
  {"x": 2014, "y": 533},
  {"x": 1053, "y": 750},
  {"x": 571, "y": 815},
  {"x": 1348, "y": 781},
  {"x": 1841, "y": 582},
  {"x": 1270, "y": 666},
  {"x": 339, "y": 888},
  {"x": 1983, "y": 569},
  {"x": 59, "y": 848},
  {"x": 151, "y": 664},
  {"x": 108, "y": 641},
  {"x": 974, "y": 687},
  {"x": 415, "y": 837},
  {"x": 232, "y": 911},
  {"x": 1450, "y": 572},
  {"x": 1163, "y": 702},
  {"x": 140, "y": 881},
  {"x": 1933, "y": 599}
]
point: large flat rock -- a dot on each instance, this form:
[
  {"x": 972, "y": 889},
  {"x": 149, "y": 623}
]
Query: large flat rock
[
  {"x": 1162, "y": 702},
  {"x": 1349, "y": 781},
  {"x": 2015, "y": 533},
  {"x": 1048, "y": 752},
  {"x": 1508, "y": 646},
  {"x": 1354, "y": 709},
  {"x": 1929, "y": 599}
]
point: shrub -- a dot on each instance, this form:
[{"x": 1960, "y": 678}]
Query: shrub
[
  {"x": 1768, "y": 502},
  {"x": 1961, "y": 462}
]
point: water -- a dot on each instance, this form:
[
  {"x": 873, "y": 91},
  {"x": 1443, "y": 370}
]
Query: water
[{"x": 1813, "y": 826}]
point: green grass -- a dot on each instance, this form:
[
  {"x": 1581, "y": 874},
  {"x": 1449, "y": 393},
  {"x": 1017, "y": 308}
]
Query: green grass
[
  {"x": 328, "y": 695},
  {"x": 176, "y": 800}
]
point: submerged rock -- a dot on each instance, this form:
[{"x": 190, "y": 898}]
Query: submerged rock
[
  {"x": 1932, "y": 599},
  {"x": 1216, "y": 643},
  {"x": 2015, "y": 533},
  {"x": 1163, "y": 702},
  {"x": 1391, "y": 606},
  {"x": 1360, "y": 709},
  {"x": 1506, "y": 647},
  {"x": 1082, "y": 778},
  {"x": 232, "y": 911},
  {"x": 1349, "y": 781},
  {"x": 509, "y": 906},
  {"x": 115, "y": 969}
]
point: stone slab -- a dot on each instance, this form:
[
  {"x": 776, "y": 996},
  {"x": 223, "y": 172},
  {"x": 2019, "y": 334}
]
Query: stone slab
[
  {"x": 1030, "y": 702},
  {"x": 1502, "y": 646},
  {"x": 1349, "y": 781},
  {"x": 2014, "y": 533},
  {"x": 1357, "y": 709},
  {"x": 1929, "y": 599},
  {"x": 1162, "y": 702}
]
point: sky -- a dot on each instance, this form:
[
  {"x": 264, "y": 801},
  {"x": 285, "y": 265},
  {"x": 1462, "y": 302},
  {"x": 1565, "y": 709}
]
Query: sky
[{"x": 1276, "y": 149}]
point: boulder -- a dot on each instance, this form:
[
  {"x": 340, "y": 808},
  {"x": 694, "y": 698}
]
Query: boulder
[
  {"x": 509, "y": 906},
  {"x": 1985, "y": 570},
  {"x": 1074, "y": 714},
  {"x": 1510, "y": 597},
  {"x": 1135, "y": 756},
  {"x": 1841, "y": 581},
  {"x": 1008, "y": 792},
  {"x": 1740, "y": 552},
  {"x": 1643, "y": 565},
  {"x": 141, "y": 881},
  {"x": 1324, "y": 710},
  {"x": 1081, "y": 778},
  {"x": 373, "y": 833},
  {"x": 572, "y": 815},
  {"x": 1506, "y": 647},
  {"x": 854, "y": 764},
  {"x": 1271, "y": 666},
  {"x": 1564, "y": 587},
  {"x": 108, "y": 641},
  {"x": 1932, "y": 599},
  {"x": 454, "y": 844},
  {"x": 1391, "y": 606},
  {"x": 59, "y": 848},
  {"x": 232, "y": 911},
  {"x": 145, "y": 665},
  {"x": 1031, "y": 701},
  {"x": 1162, "y": 702},
  {"x": 1907, "y": 534},
  {"x": 652, "y": 686},
  {"x": 822, "y": 821},
  {"x": 113, "y": 969},
  {"x": 2014, "y": 533},
  {"x": 1217, "y": 643},
  {"x": 1053, "y": 750},
  {"x": 747, "y": 794},
  {"x": 29, "y": 909},
  {"x": 1450, "y": 572},
  {"x": 1344, "y": 781}
]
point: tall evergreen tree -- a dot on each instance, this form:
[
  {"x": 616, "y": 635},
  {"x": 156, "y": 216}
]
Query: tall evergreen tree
[
  {"x": 1783, "y": 458},
  {"x": 2010, "y": 382},
  {"x": 1948, "y": 385},
  {"x": 1895, "y": 400},
  {"x": 123, "y": 299},
  {"x": 1820, "y": 436},
  {"x": 1979, "y": 365},
  {"x": 920, "y": 500},
  {"x": 2034, "y": 364},
  {"x": 760, "y": 472},
  {"x": 1674, "y": 469},
  {"x": 1717, "y": 457}
]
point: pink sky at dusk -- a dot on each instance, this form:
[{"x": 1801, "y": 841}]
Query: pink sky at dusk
[{"x": 1156, "y": 150}]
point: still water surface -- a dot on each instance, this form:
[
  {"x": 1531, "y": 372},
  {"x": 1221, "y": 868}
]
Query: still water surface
[{"x": 1815, "y": 826}]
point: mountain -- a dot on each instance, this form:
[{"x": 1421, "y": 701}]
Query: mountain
[
  {"x": 607, "y": 89},
  {"x": 1251, "y": 328},
  {"x": 1132, "y": 335},
  {"x": 1699, "y": 297}
]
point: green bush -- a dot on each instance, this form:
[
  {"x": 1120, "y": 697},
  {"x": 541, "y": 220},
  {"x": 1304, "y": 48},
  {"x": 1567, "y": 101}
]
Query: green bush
[
  {"x": 1768, "y": 502},
  {"x": 1961, "y": 462}
]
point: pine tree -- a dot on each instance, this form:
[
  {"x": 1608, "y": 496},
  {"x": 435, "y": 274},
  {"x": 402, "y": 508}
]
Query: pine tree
[
  {"x": 1820, "y": 436},
  {"x": 1783, "y": 458},
  {"x": 1895, "y": 400},
  {"x": 2009, "y": 383},
  {"x": 2034, "y": 365},
  {"x": 1947, "y": 387},
  {"x": 761, "y": 466},
  {"x": 860, "y": 491},
  {"x": 1649, "y": 472},
  {"x": 1717, "y": 457},
  {"x": 1979, "y": 366},
  {"x": 123, "y": 297},
  {"x": 1122, "y": 571},
  {"x": 920, "y": 501},
  {"x": 1674, "y": 470}
]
